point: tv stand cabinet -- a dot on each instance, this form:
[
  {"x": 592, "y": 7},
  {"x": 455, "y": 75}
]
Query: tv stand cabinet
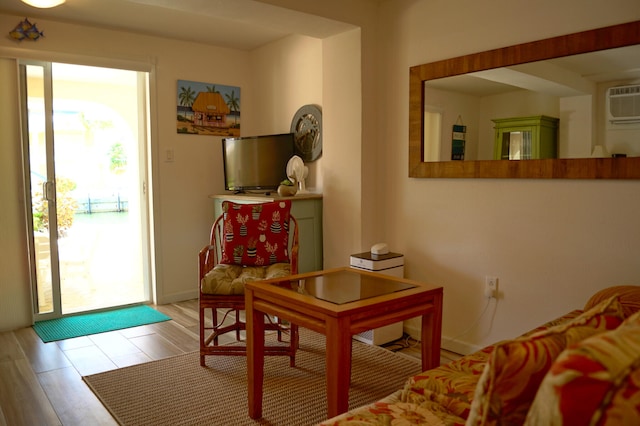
[{"x": 306, "y": 208}]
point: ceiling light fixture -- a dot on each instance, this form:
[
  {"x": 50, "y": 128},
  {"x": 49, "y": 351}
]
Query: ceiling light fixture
[{"x": 44, "y": 4}]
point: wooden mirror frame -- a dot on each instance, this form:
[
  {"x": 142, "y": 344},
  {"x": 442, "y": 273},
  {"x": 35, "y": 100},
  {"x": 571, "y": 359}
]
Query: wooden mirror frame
[{"x": 582, "y": 168}]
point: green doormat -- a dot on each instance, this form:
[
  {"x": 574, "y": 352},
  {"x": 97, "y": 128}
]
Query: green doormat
[{"x": 99, "y": 322}]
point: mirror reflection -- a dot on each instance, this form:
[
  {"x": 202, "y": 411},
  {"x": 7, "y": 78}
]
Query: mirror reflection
[{"x": 571, "y": 107}]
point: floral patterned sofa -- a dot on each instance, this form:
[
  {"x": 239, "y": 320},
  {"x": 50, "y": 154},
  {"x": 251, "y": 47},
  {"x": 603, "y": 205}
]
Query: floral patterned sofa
[{"x": 580, "y": 369}]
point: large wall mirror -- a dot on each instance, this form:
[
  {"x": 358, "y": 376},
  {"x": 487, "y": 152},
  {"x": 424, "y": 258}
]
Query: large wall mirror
[{"x": 587, "y": 84}]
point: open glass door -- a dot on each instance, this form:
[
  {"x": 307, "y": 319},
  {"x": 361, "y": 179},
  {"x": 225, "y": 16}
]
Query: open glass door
[{"x": 85, "y": 138}]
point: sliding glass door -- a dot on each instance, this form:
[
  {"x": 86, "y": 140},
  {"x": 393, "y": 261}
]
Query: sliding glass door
[{"x": 84, "y": 133}]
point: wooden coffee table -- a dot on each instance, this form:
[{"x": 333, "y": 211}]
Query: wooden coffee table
[{"x": 338, "y": 303}]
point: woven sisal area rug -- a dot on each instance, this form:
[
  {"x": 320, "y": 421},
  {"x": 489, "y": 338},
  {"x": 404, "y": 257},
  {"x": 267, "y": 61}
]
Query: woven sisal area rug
[{"x": 177, "y": 391}]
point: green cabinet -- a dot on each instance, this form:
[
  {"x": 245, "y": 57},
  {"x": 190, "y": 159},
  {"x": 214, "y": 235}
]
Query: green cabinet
[
  {"x": 307, "y": 209},
  {"x": 524, "y": 138}
]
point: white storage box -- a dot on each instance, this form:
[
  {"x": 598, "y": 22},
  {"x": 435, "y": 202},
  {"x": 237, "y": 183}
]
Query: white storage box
[{"x": 388, "y": 264}]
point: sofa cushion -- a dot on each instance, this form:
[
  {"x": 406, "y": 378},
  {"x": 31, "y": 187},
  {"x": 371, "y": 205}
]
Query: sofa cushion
[
  {"x": 596, "y": 381},
  {"x": 255, "y": 234},
  {"x": 564, "y": 319},
  {"x": 628, "y": 295},
  {"x": 398, "y": 413},
  {"x": 515, "y": 368},
  {"x": 230, "y": 279},
  {"x": 451, "y": 385},
  {"x": 392, "y": 411}
]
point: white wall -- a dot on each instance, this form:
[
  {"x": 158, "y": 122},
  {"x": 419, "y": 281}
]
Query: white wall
[
  {"x": 552, "y": 243},
  {"x": 351, "y": 165},
  {"x": 286, "y": 75},
  {"x": 182, "y": 210},
  {"x": 575, "y": 140},
  {"x": 275, "y": 80},
  {"x": 15, "y": 296},
  {"x": 467, "y": 107},
  {"x": 342, "y": 180}
]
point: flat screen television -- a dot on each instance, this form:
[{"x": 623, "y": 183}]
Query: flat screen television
[{"x": 256, "y": 162}]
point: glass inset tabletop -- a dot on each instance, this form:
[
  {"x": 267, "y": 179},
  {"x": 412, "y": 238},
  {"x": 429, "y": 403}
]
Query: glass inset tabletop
[{"x": 345, "y": 286}]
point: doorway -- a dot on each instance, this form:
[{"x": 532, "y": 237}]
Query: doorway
[{"x": 84, "y": 137}]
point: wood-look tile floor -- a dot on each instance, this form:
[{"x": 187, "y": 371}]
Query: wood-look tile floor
[{"x": 41, "y": 383}]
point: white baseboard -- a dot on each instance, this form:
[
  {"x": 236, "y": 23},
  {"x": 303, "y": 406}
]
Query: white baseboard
[
  {"x": 178, "y": 297},
  {"x": 458, "y": 347},
  {"x": 412, "y": 328},
  {"x": 451, "y": 345}
]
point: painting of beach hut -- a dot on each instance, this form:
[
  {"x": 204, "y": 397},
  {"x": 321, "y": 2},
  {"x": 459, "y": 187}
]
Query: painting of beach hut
[{"x": 208, "y": 109}]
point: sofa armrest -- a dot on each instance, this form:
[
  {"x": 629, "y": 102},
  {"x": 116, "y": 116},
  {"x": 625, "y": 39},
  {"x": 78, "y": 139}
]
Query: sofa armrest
[{"x": 628, "y": 295}]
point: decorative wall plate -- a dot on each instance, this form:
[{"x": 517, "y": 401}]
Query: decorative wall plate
[{"x": 306, "y": 127}]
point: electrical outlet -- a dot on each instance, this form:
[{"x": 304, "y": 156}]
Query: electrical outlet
[{"x": 490, "y": 287}]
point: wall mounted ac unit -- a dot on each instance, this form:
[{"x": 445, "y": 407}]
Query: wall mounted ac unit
[{"x": 623, "y": 104}]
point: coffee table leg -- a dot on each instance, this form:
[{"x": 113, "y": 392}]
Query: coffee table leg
[
  {"x": 431, "y": 335},
  {"x": 255, "y": 356},
  {"x": 338, "y": 359}
]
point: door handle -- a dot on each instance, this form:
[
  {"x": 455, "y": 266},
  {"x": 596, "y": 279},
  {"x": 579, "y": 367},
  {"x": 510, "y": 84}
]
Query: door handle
[{"x": 48, "y": 191}]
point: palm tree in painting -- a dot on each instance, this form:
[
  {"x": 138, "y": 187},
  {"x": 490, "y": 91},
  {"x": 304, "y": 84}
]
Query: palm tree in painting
[
  {"x": 186, "y": 97},
  {"x": 233, "y": 104},
  {"x": 212, "y": 89}
]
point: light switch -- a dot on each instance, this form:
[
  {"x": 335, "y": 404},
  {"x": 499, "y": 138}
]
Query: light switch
[{"x": 169, "y": 155}]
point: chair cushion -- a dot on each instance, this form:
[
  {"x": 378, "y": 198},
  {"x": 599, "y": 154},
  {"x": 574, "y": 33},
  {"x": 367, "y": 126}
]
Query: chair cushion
[
  {"x": 595, "y": 382},
  {"x": 230, "y": 279},
  {"x": 255, "y": 234},
  {"x": 516, "y": 367}
]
